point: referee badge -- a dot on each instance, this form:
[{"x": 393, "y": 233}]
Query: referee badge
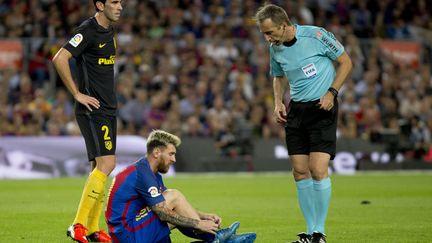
[
  {"x": 108, "y": 145},
  {"x": 309, "y": 70}
]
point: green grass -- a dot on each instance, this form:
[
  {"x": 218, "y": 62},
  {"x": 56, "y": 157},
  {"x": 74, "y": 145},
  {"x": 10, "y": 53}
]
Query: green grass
[{"x": 400, "y": 208}]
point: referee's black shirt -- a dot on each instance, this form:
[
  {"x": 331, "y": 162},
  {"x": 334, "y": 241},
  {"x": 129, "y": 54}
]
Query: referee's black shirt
[{"x": 94, "y": 49}]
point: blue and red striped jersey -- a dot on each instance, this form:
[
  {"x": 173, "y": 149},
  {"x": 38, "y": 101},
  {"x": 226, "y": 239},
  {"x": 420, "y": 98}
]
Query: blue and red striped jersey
[{"x": 132, "y": 193}]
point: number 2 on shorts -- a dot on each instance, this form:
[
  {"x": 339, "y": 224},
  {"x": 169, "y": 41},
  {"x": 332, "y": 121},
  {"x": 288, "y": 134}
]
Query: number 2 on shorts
[{"x": 106, "y": 130}]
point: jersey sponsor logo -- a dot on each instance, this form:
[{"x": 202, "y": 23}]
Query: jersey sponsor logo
[
  {"x": 330, "y": 44},
  {"x": 76, "y": 40},
  {"x": 153, "y": 191},
  {"x": 106, "y": 61},
  {"x": 309, "y": 70},
  {"x": 339, "y": 45},
  {"x": 101, "y": 45}
]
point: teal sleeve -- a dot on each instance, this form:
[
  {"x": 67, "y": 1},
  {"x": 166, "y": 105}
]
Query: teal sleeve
[
  {"x": 330, "y": 46},
  {"x": 275, "y": 68}
]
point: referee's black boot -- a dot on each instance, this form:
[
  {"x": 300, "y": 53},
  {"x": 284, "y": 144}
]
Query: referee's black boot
[
  {"x": 303, "y": 238},
  {"x": 318, "y": 237}
]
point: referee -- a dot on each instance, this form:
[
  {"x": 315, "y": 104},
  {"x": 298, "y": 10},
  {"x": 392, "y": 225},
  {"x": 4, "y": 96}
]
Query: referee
[
  {"x": 305, "y": 55},
  {"x": 94, "y": 48}
]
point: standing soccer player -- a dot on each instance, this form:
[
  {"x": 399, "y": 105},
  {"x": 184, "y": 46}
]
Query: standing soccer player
[
  {"x": 94, "y": 48},
  {"x": 305, "y": 55}
]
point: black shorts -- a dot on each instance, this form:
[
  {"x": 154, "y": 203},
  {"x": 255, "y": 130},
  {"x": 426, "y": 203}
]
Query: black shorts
[
  {"x": 311, "y": 129},
  {"x": 100, "y": 134}
]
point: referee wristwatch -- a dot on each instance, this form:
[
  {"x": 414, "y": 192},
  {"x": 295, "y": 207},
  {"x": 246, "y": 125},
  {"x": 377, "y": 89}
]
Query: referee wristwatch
[{"x": 333, "y": 91}]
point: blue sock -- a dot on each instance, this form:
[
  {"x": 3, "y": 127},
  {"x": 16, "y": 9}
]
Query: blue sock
[
  {"x": 193, "y": 233},
  {"x": 305, "y": 198},
  {"x": 322, "y": 194}
]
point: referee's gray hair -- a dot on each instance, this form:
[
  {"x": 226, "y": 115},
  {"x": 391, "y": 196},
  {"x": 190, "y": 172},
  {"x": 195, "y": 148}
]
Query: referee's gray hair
[
  {"x": 270, "y": 11},
  {"x": 161, "y": 138}
]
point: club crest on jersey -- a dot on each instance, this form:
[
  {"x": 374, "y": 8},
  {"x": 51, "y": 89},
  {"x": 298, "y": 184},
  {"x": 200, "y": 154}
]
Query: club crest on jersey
[
  {"x": 108, "y": 145},
  {"x": 153, "y": 191},
  {"x": 76, "y": 40},
  {"x": 309, "y": 70}
]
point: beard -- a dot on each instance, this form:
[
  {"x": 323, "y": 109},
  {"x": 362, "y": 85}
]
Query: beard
[
  {"x": 164, "y": 169},
  {"x": 163, "y": 166}
]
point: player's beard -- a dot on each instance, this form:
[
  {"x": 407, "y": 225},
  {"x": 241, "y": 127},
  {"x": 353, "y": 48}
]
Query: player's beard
[{"x": 163, "y": 166}]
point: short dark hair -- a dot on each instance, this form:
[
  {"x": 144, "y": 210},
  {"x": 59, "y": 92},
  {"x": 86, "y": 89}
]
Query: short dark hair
[
  {"x": 95, "y": 1},
  {"x": 151, "y": 145},
  {"x": 270, "y": 11}
]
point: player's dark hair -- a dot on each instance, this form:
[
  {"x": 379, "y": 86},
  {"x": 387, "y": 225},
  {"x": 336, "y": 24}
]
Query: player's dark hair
[
  {"x": 270, "y": 11},
  {"x": 95, "y": 1},
  {"x": 151, "y": 145}
]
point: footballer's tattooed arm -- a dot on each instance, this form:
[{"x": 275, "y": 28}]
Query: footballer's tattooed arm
[{"x": 168, "y": 215}]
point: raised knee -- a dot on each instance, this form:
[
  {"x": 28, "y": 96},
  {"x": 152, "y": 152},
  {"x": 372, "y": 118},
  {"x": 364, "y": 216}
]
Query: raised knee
[
  {"x": 172, "y": 197},
  {"x": 173, "y": 192}
]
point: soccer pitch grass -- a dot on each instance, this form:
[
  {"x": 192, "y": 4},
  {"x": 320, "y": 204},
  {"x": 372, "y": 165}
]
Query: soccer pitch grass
[{"x": 400, "y": 208}]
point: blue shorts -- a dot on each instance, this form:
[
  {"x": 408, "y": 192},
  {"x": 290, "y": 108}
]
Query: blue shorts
[{"x": 151, "y": 230}]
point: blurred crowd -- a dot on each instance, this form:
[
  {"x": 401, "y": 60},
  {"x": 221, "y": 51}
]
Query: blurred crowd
[{"x": 200, "y": 68}]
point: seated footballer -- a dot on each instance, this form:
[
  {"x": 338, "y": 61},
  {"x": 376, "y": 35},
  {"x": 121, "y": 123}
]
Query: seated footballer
[{"x": 141, "y": 209}]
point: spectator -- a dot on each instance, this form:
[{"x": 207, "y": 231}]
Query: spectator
[
  {"x": 410, "y": 105},
  {"x": 38, "y": 65},
  {"x": 163, "y": 45},
  {"x": 135, "y": 110}
]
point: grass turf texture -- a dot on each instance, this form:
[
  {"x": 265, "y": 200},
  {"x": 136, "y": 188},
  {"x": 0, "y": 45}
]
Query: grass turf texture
[{"x": 400, "y": 208}]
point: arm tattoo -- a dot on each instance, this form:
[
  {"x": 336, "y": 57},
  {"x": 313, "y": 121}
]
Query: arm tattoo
[{"x": 168, "y": 215}]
